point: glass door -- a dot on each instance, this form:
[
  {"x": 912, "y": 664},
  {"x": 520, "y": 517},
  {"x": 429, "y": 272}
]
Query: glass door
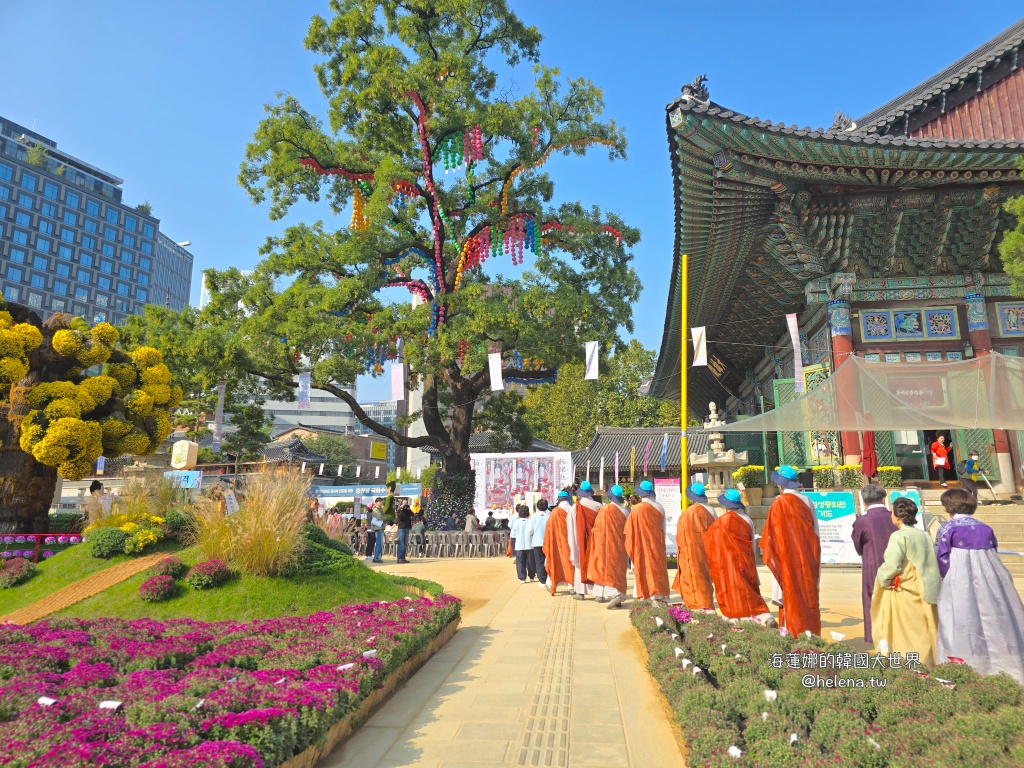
[{"x": 911, "y": 454}]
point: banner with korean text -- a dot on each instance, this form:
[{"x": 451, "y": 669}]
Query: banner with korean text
[{"x": 836, "y": 511}]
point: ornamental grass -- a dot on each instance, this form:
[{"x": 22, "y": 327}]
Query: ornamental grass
[
  {"x": 190, "y": 693},
  {"x": 262, "y": 537},
  {"x": 746, "y": 695}
]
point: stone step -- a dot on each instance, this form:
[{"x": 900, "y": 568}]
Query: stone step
[{"x": 1014, "y": 564}]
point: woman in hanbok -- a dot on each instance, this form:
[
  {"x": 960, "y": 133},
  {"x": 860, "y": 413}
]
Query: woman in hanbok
[
  {"x": 904, "y": 615},
  {"x": 981, "y": 616}
]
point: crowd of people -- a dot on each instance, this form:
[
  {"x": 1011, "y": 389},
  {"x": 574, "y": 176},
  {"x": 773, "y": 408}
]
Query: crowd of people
[{"x": 951, "y": 599}]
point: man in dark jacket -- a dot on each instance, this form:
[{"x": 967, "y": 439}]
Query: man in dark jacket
[
  {"x": 404, "y": 526},
  {"x": 871, "y": 532}
]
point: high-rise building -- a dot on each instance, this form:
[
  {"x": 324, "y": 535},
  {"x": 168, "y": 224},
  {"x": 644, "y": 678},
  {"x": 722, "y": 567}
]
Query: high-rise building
[
  {"x": 69, "y": 244},
  {"x": 325, "y": 411},
  {"x": 386, "y": 412}
]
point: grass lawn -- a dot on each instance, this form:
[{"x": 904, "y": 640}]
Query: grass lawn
[
  {"x": 245, "y": 597},
  {"x": 61, "y": 570}
]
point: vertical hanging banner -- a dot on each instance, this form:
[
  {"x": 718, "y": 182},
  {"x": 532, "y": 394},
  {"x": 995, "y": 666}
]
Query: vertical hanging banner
[
  {"x": 359, "y": 470},
  {"x": 588, "y": 470},
  {"x": 664, "y": 452},
  {"x": 304, "y": 385},
  {"x": 600, "y": 475},
  {"x": 616, "y": 467},
  {"x": 303, "y": 470},
  {"x": 798, "y": 357},
  {"x": 494, "y": 362},
  {"x": 376, "y": 471},
  {"x": 341, "y": 468},
  {"x": 218, "y": 416},
  {"x": 647, "y": 454},
  {"x": 632, "y": 464},
  {"x": 591, "y": 350},
  {"x": 700, "y": 346},
  {"x": 101, "y": 463},
  {"x": 398, "y": 381},
  {"x": 321, "y": 470}
]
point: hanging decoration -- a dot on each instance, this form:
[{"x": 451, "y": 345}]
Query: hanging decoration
[
  {"x": 304, "y": 388},
  {"x": 428, "y": 178},
  {"x": 647, "y": 454},
  {"x": 359, "y": 218},
  {"x": 494, "y": 363},
  {"x": 592, "y": 360},
  {"x": 798, "y": 363},
  {"x": 700, "y": 346}
]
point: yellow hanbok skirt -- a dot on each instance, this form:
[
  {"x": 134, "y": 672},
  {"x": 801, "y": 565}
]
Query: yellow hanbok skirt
[{"x": 902, "y": 622}]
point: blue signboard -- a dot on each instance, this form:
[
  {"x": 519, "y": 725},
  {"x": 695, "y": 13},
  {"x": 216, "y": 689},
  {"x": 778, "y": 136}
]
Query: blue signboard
[
  {"x": 183, "y": 478},
  {"x": 836, "y": 511},
  {"x": 915, "y": 496}
]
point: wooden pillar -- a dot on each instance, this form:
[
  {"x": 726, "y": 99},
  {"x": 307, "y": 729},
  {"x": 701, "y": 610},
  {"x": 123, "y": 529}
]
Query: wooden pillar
[
  {"x": 981, "y": 340},
  {"x": 842, "y": 348}
]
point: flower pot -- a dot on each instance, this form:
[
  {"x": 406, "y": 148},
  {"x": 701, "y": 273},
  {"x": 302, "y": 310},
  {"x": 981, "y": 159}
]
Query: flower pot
[{"x": 752, "y": 497}]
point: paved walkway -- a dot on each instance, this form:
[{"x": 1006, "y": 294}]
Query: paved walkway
[
  {"x": 529, "y": 680},
  {"x": 79, "y": 590}
]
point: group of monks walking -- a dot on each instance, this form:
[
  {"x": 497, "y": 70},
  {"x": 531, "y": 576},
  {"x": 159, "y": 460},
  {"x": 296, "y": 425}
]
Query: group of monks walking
[{"x": 590, "y": 547}]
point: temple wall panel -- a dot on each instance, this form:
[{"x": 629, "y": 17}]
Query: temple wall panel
[{"x": 995, "y": 113}]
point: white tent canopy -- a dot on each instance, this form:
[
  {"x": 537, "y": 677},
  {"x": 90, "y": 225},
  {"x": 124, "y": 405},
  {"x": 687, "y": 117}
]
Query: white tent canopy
[{"x": 983, "y": 393}]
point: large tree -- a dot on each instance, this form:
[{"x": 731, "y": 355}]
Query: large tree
[
  {"x": 568, "y": 411},
  {"x": 412, "y": 90},
  {"x": 1011, "y": 248},
  {"x": 56, "y": 418}
]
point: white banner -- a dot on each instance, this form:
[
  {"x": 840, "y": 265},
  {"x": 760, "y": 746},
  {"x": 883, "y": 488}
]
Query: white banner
[
  {"x": 591, "y": 349},
  {"x": 218, "y": 416},
  {"x": 230, "y": 502},
  {"x": 700, "y": 346},
  {"x": 303, "y": 470},
  {"x": 600, "y": 476},
  {"x": 494, "y": 361},
  {"x": 304, "y": 385},
  {"x": 321, "y": 470},
  {"x": 798, "y": 356},
  {"x": 341, "y": 467},
  {"x": 669, "y": 496}
]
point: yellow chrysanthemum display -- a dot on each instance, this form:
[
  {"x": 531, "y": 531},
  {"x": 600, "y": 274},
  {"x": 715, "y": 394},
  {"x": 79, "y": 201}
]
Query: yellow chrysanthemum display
[{"x": 16, "y": 341}]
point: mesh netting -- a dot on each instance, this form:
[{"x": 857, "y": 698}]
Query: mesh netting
[{"x": 983, "y": 393}]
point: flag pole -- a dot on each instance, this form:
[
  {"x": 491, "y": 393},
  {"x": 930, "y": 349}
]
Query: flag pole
[{"x": 683, "y": 348}]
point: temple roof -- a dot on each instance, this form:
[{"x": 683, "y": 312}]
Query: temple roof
[
  {"x": 763, "y": 208},
  {"x": 978, "y": 70},
  {"x": 608, "y": 440},
  {"x": 292, "y": 450}
]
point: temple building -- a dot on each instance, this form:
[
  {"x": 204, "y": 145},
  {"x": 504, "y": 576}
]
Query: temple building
[{"x": 880, "y": 233}]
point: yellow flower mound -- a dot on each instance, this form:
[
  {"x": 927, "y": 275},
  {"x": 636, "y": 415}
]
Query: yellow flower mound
[
  {"x": 16, "y": 341},
  {"x": 106, "y": 334},
  {"x": 160, "y": 393},
  {"x": 129, "y": 527},
  {"x": 158, "y": 374},
  {"x": 139, "y": 403},
  {"x": 63, "y": 408},
  {"x": 123, "y": 373},
  {"x": 176, "y": 395},
  {"x": 67, "y": 342},
  {"x": 146, "y": 357},
  {"x": 12, "y": 369}
]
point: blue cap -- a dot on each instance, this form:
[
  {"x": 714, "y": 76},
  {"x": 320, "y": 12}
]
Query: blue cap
[
  {"x": 646, "y": 488},
  {"x": 788, "y": 472},
  {"x": 586, "y": 486},
  {"x": 564, "y": 495},
  {"x": 733, "y": 495},
  {"x": 731, "y": 499},
  {"x": 698, "y": 489},
  {"x": 616, "y": 491}
]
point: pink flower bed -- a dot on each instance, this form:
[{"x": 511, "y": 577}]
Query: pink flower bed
[{"x": 185, "y": 693}]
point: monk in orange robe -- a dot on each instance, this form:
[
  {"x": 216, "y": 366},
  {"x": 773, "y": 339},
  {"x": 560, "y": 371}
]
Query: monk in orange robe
[
  {"x": 645, "y": 545},
  {"x": 579, "y": 524},
  {"x": 693, "y": 579},
  {"x": 557, "y": 562},
  {"x": 791, "y": 549},
  {"x": 608, "y": 563},
  {"x": 729, "y": 543}
]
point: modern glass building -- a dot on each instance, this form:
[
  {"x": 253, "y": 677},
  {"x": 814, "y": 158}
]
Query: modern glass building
[{"x": 69, "y": 244}]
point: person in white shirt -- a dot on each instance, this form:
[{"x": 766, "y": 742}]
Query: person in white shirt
[
  {"x": 538, "y": 526},
  {"x": 522, "y": 534}
]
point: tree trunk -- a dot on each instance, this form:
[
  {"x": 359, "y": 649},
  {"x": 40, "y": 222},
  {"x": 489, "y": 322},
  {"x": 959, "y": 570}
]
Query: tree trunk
[
  {"x": 454, "y": 487},
  {"x": 26, "y": 486}
]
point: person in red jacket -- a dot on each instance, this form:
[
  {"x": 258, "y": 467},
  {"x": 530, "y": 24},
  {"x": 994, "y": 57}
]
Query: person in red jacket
[{"x": 940, "y": 458}]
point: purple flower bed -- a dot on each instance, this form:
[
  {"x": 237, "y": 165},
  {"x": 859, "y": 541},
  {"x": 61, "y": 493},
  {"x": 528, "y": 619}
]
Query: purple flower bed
[
  {"x": 228, "y": 694},
  {"x": 208, "y": 574},
  {"x": 13, "y": 572},
  {"x": 156, "y": 589}
]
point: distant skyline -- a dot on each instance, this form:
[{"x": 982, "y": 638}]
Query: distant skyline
[{"x": 167, "y": 95}]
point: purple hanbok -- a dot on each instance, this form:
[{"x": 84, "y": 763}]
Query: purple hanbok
[
  {"x": 981, "y": 616},
  {"x": 871, "y": 532}
]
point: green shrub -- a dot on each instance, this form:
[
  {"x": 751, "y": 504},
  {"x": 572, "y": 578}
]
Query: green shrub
[
  {"x": 316, "y": 558},
  {"x": 177, "y": 523},
  {"x": 169, "y": 566},
  {"x": 824, "y": 477},
  {"x": 66, "y": 522},
  {"x": 752, "y": 476},
  {"x": 15, "y": 571},
  {"x": 890, "y": 477},
  {"x": 850, "y": 476},
  {"x": 107, "y": 542}
]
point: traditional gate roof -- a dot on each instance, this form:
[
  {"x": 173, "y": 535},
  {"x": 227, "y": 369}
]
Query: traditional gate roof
[
  {"x": 961, "y": 81},
  {"x": 608, "y": 440},
  {"x": 764, "y": 208}
]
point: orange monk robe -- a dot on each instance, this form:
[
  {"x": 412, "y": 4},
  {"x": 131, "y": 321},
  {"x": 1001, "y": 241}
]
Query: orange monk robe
[
  {"x": 608, "y": 564},
  {"x": 645, "y": 545},
  {"x": 792, "y": 551},
  {"x": 729, "y": 544},
  {"x": 693, "y": 579},
  {"x": 579, "y": 532},
  {"x": 556, "y": 550}
]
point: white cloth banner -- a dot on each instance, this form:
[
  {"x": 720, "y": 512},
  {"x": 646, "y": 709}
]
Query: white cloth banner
[
  {"x": 494, "y": 361},
  {"x": 798, "y": 356},
  {"x": 341, "y": 467},
  {"x": 397, "y": 381},
  {"x": 600, "y": 475},
  {"x": 321, "y": 470},
  {"x": 700, "y": 346},
  {"x": 303, "y": 470},
  {"x": 304, "y": 386},
  {"x": 218, "y": 416},
  {"x": 591, "y": 348}
]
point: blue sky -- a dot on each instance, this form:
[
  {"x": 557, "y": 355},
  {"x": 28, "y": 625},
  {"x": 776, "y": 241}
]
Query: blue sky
[{"x": 165, "y": 95}]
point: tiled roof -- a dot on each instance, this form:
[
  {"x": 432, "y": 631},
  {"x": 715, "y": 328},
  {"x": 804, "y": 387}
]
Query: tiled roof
[
  {"x": 293, "y": 450},
  {"x": 982, "y": 60},
  {"x": 479, "y": 442},
  {"x": 608, "y": 440}
]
